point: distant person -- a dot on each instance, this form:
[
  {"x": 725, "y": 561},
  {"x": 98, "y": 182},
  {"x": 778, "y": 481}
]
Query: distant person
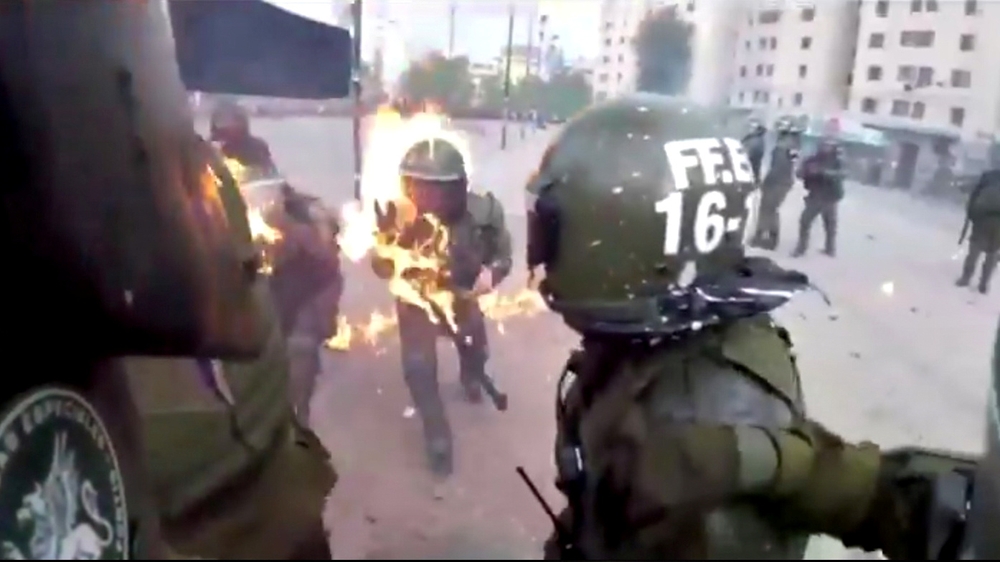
[
  {"x": 983, "y": 215},
  {"x": 823, "y": 178}
]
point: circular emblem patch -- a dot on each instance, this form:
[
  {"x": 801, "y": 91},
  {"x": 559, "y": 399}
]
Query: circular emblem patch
[{"x": 62, "y": 496}]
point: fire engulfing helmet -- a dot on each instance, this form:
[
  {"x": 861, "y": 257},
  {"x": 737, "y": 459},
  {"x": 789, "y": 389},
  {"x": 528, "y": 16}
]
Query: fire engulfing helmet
[
  {"x": 435, "y": 179},
  {"x": 112, "y": 204},
  {"x": 638, "y": 215},
  {"x": 229, "y": 119}
]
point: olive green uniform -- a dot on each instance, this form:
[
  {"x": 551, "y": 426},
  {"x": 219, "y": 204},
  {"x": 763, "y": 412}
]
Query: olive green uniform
[
  {"x": 983, "y": 213},
  {"x": 683, "y": 435},
  {"x": 235, "y": 475},
  {"x": 479, "y": 239}
]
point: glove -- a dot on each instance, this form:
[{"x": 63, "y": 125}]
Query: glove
[{"x": 905, "y": 516}]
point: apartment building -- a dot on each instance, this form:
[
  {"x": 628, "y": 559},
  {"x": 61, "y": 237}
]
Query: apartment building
[
  {"x": 715, "y": 23},
  {"x": 928, "y": 65},
  {"x": 795, "y": 56}
]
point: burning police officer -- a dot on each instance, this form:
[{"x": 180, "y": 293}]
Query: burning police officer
[{"x": 477, "y": 258}]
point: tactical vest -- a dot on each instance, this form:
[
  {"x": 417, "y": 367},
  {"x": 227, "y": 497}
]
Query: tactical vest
[
  {"x": 196, "y": 442},
  {"x": 739, "y": 374}
]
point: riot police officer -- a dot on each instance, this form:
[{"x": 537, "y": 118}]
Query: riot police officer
[
  {"x": 823, "y": 179},
  {"x": 109, "y": 212},
  {"x": 479, "y": 258},
  {"x": 755, "y": 144},
  {"x": 983, "y": 215},
  {"x": 681, "y": 427},
  {"x": 777, "y": 183},
  {"x": 230, "y": 128}
]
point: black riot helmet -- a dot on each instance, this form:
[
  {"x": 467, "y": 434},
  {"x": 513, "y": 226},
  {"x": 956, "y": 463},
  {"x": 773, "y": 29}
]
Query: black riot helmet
[
  {"x": 109, "y": 196},
  {"x": 982, "y": 537},
  {"x": 229, "y": 121},
  {"x": 435, "y": 178}
]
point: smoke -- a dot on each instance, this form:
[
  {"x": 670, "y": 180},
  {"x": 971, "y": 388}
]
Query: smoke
[{"x": 663, "y": 53}]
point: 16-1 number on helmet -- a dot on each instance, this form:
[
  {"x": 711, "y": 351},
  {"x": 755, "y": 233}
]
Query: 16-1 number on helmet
[{"x": 710, "y": 224}]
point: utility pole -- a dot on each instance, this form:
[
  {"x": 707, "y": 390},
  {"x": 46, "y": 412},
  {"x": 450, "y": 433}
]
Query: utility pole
[
  {"x": 356, "y": 7},
  {"x": 451, "y": 30},
  {"x": 506, "y": 79}
]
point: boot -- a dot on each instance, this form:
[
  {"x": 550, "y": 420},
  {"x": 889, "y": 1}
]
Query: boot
[
  {"x": 989, "y": 266},
  {"x": 800, "y": 250},
  {"x": 962, "y": 282},
  {"x": 830, "y": 251}
]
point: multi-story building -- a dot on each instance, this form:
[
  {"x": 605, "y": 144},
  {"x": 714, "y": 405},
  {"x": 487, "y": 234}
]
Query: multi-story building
[
  {"x": 795, "y": 57},
  {"x": 714, "y": 38},
  {"x": 924, "y": 74}
]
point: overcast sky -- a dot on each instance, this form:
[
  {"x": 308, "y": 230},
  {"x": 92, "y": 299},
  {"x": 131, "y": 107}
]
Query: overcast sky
[{"x": 481, "y": 25}]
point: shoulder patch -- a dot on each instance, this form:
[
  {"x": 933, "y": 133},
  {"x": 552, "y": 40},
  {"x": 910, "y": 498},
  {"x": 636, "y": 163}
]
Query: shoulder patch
[{"x": 61, "y": 487}]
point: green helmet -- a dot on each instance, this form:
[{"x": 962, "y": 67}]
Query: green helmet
[
  {"x": 434, "y": 160},
  {"x": 632, "y": 193}
]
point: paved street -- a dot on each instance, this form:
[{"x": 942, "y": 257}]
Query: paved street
[{"x": 900, "y": 356}]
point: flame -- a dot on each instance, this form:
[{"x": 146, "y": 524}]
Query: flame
[
  {"x": 419, "y": 271},
  {"x": 262, "y": 233}
]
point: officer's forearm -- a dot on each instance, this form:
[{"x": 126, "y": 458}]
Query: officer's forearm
[{"x": 502, "y": 263}]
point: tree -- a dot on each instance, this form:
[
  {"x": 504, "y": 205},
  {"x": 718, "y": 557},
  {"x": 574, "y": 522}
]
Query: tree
[
  {"x": 566, "y": 93},
  {"x": 663, "y": 52},
  {"x": 439, "y": 79},
  {"x": 491, "y": 91},
  {"x": 528, "y": 94}
]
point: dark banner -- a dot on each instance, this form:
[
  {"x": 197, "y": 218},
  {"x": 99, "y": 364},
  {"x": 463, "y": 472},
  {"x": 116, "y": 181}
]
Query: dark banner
[{"x": 253, "y": 48}]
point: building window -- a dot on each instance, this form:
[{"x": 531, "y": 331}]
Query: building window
[
  {"x": 874, "y": 73},
  {"x": 967, "y": 42},
  {"x": 762, "y": 43},
  {"x": 765, "y": 97},
  {"x": 690, "y": 6},
  {"x": 882, "y": 8},
  {"x": 621, "y": 58},
  {"x": 747, "y": 44},
  {"x": 806, "y": 43},
  {"x": 900, "y": 108},
  {"x": 970, "y": 10},
  {"x": 773, "y": 43},
  {"x": 869, "y": 105},
  {"x": 770, "y": 70},
  {"x": 808, "y": 14},
  {"x": 602, "y": 78},
  {"x": 619, "y": 77},
  {"x": 621, "y": 40},
  {"x": 876, "y": 41},
  {"x": 607, "y": 42},
  {"x": 608, "y": 25},
  {"x": 769, "y": 16},
  {"x": 759, "y": 70},
  {"x": 931, "y": 5},
  {"x": 916, "y": 6},
  {"x": 961, "y": 79},
  {"x": 905, "y": 73},
  {"x": 797, "y": 99},
  {"x": 957, "y": 116},
  {"x": 916, "y": 38},
  {"x": 918, "y": 110},
  {"x": 803, "y": 70},
  {"x": 925, "y": 75},
  {"x": 740, "y": 97},
  {"x": 743, "y": 72}
]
